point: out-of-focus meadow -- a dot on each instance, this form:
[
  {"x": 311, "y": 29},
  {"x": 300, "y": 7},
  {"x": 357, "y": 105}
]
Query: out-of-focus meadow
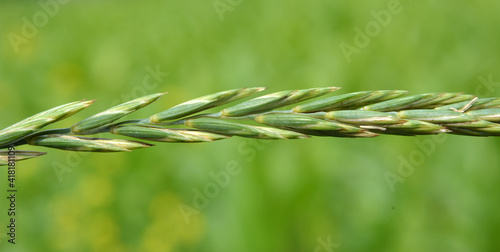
[{"x": 317, "y": 194}]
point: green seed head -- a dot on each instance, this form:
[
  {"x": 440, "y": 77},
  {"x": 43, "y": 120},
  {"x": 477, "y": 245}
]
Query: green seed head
[
  {"x": 414, "y": 127},
  {"x": 422, "y": 101},
  {"x": 73, "y": 143},
  {"x": 348, "y": 101},
  {"x": 40, "y": 120},
  {"x": 274, "y": 101},
  {"x": 362, "y": 117},
  {"x": 226, "y": 127},
  {"x": 360, "y": 114},
  {"x": 203, "y": 103},
  {"x": 492, "y": 115},
  {"x": 110, "y": 115},
  {"x": 166, "y": 135},
  {"x": 436, "y": 116},
  {"x": 5, "y": 158},
  {"x": 310, "y": 126}
]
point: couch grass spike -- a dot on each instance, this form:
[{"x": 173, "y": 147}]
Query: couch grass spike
[{"x": 358, "y": 114}]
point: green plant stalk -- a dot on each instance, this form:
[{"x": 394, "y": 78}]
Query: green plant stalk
[{"x": 360, "y": 114}]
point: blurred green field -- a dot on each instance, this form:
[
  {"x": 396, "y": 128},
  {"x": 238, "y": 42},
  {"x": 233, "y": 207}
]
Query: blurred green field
[{"x": 290, "y": 195}]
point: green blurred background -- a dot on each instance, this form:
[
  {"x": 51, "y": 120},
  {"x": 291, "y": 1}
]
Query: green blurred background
[{"x": 297, "y": 195}]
